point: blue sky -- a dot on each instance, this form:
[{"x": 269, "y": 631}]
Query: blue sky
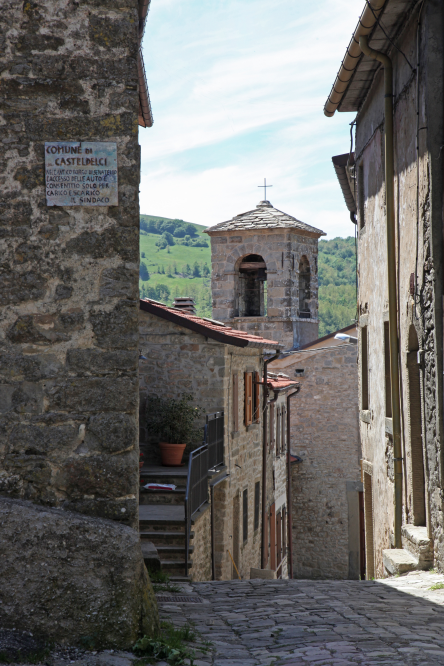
[{"x": 237, "y": 89}]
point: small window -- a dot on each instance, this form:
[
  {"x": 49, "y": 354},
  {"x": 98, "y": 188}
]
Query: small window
[
  {"x": 364, "y": 368},
  {"x": 388, "y": 382},
  {"x": 248, "y": 398},
  {"x": 245, "y": 514},
  {"x": 257, "y": 497},
  {"x": 235, "y": 402}
]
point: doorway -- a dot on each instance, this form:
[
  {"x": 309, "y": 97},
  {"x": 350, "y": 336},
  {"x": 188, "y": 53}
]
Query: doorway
[{"x": 414, "y": 416}]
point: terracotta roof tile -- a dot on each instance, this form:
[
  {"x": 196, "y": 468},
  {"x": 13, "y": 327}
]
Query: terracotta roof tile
[{"x": 207, "y": 327}]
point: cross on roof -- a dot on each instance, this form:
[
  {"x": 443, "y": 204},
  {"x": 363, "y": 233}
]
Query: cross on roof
[{"x": 265, "y": 188}]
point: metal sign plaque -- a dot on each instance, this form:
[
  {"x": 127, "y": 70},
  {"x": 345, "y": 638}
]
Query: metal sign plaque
[{"x": 82, "y": 173}]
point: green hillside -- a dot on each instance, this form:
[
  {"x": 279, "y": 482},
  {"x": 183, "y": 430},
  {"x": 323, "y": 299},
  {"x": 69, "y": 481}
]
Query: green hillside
[
  {"x": 337, "y": 284},
  {"x": 176, "y": 261},
  {"x": 176, "y": 265}
]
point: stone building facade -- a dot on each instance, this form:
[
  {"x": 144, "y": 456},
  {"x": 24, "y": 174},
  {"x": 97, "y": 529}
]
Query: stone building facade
[
  {"x": 326, "y": 481},
  {"x": 264, "y": 275},
  {"x": 185, "y": 353},
  {"x": 277, "y": 528},
  {"x": 416, "y": 54},
  {"x": 69, "y": 283}
]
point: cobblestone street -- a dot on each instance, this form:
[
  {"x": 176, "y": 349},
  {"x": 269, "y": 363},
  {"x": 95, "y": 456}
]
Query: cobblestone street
[{"x": 394, "y": 621}]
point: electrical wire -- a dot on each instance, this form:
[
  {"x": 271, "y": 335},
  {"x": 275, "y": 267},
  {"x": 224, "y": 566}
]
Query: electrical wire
[{"x": 378, "y": 22}]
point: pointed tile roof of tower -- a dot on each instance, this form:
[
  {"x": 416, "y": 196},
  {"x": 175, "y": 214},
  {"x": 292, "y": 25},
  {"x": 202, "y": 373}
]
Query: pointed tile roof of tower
[{"x": 264, "y": 216}]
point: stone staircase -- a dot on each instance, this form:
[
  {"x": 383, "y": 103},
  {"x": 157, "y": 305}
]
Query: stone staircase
[
  {"x": 162, "y": 520},
  {"x": 416, "y": 553}
]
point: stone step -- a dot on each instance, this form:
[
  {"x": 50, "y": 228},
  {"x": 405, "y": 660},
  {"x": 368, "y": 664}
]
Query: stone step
[
  {"x": 162, "y": 538},
  {"x": 416, "y": 541},
  {"x": 168, "y": 553},
  {"x": 175, "y": 567},
  {"x": 398, "y": 561},
  {"x": 147, "y": 496},
  {"x": 180, "y": 579},
  {"x": 158, "y": 474},
  {"x": 167, "y": 516}
]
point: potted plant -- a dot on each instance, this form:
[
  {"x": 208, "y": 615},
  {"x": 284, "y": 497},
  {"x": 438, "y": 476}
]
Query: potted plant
[{"x": 174, "y": 422}]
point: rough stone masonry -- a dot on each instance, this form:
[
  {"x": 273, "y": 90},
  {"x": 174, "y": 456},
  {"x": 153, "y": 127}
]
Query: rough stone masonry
[{"x": 69, "y": 291}]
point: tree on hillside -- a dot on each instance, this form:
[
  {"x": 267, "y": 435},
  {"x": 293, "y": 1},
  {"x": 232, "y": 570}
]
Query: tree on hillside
[
  {"x": 205, "y": 270},
  {"x": 190, "y": 229},
  {"x": 196, "y": 270},
  {"x": 143, "y": 272}
]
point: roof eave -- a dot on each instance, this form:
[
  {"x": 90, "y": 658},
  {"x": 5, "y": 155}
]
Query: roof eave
[{"x": 224, "y": 338}]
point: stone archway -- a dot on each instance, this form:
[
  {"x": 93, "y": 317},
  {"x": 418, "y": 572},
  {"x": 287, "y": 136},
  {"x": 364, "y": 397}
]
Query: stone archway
[{"x": 252, "y": 279}]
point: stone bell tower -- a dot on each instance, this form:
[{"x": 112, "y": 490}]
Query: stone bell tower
[{"x": 265, "y": 275}]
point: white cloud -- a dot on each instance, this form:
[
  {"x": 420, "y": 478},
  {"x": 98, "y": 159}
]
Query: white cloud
[{"x": 238, "y": 88}]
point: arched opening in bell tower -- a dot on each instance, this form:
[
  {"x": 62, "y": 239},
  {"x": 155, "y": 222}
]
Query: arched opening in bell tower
[
  {"x": 304, "y": 288},
  {"x": 252, "y": 286}
]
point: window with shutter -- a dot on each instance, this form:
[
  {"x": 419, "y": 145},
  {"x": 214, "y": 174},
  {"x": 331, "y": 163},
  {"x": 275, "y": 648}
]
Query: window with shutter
[
  {"x": 272, "y": 428},
  {"x": 284, "y": 531},
  {"x": 278, "y": 431},
  {"x": 248, "y": 380},
  {"x": 283, "y": 428},
  {"x": 257, "y": 495},
  {"x": 235, "y": 402},
  {"x": 257, "y": 398}
]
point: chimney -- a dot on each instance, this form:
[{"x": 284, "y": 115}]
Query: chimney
[{"x": 185, "y": 303}]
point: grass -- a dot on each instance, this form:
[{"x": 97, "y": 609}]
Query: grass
[
  {"x": 161, "y": 582},
  {"x": 169, "y": 645},
  {"x": 437, "y": 586}
]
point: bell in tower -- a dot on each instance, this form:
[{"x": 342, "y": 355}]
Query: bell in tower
[{"x": 264, "y": 275}]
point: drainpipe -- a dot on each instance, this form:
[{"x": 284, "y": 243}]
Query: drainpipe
[
  {"x": 391, "y": 266},
  {"x": 264, "y": 458},
  {"x": 289, "y": 519}
]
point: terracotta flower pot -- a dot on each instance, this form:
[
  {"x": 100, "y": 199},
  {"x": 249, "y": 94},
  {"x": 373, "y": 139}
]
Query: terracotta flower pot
[{"x": 171, "y": 454}]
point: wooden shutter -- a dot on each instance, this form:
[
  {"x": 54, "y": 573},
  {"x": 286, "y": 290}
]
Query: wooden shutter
[
  {"x": 257, "y": 398},
  {"x": 284, "y": 532},
  {"x": 235, "y": 402},
  {"x": 245, "y": 515},
  {"x": 273, "y": 537},
  {"x": 278, "y": 431},
  {"x": 248, "y": 380},
  {"x": 283, "y": 428},
  {"x": 278, "y": 539},
  {"x": 272, "y": 436},
  {"x": 257, "y": 495}
]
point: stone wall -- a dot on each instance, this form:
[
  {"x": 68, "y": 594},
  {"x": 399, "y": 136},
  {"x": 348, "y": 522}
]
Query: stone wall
[
  {"x": 325, "y": 434},
  {"x": 69, "y": 297},
  {"x": 68, "y": 394},
  {"x": 201, "y": 543},
  {"x": 179, "y": 360},
  {"x": 419, "y": 252},
  {"x": 282, "y": 251}
]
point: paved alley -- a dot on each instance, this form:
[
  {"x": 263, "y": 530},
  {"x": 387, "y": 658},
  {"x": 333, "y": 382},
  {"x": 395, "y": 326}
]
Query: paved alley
[{"x": 290, "y": 623}]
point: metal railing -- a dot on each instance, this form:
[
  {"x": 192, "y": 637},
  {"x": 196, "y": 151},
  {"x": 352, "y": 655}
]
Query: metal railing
[
  {"x": 197, "y": 490},
  {"x": 214, "y": 438}
]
